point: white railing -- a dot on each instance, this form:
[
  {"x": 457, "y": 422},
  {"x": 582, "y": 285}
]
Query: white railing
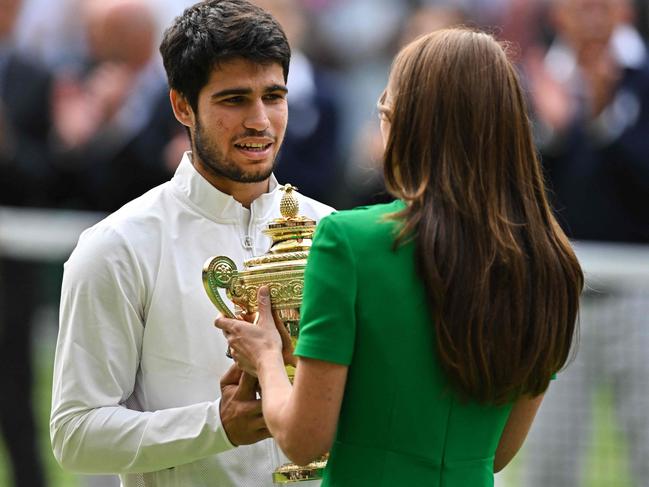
[{"x": 42, "y": 234}]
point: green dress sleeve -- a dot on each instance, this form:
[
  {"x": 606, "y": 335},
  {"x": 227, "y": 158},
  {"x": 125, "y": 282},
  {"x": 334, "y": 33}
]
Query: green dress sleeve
[{"x": 328, "y": 311}]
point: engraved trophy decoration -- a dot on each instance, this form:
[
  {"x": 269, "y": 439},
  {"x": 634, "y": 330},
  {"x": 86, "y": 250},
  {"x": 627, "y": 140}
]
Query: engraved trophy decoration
[{"x": 282, "y": 270}]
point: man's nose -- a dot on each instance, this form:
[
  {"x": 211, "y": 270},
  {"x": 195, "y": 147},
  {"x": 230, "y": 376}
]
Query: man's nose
[{"x": 257, "y": 117}]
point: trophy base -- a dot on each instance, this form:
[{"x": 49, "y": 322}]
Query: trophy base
[{"x": 290, "y": 473}]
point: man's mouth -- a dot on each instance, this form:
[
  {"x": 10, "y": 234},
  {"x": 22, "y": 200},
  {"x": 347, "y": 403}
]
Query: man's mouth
[{"x": 253, "y": 147}]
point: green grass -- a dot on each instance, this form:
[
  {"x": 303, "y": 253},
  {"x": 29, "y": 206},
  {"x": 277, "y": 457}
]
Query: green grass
[
  {"x": 607, "y": 460},
  {"x": 4, "y": 474},
  {"x": 43, "y": 352}
]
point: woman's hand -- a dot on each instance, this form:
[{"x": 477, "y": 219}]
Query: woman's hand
[{"x": 249, "y": 344}]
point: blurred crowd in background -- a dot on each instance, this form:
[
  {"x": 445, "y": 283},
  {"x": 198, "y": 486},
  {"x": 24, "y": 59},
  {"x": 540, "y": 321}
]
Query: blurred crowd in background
[{"x": 85, "y": 124}]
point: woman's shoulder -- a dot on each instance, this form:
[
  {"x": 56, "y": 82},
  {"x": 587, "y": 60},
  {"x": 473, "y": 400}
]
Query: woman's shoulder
[
  {"x": 364, "y": 225},
  {"x": 365, "y": 215}
]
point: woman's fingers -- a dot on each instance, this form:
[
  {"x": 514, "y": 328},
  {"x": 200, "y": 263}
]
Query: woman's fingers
[
  {"x": 224, "y": 324},
  {"x": 230, "y": 327},
  {"x": 248, "y": 342}
]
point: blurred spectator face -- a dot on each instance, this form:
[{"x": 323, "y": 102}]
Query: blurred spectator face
[
  {"x": 121, "y": 31},
  {"x": 429, "y": 18},
  {"x": 589, "y": 23},
  {"x": 241, "y": 119},
  {"x": 8, "y": 13},
  {"x": 290, "y": 15}
]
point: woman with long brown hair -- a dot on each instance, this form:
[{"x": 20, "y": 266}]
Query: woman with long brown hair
[{"x": 431, "y": 326}]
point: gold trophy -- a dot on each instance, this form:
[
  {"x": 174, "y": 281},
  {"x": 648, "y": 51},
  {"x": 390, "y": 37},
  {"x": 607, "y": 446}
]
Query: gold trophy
[{"x": 282, "y": 270}]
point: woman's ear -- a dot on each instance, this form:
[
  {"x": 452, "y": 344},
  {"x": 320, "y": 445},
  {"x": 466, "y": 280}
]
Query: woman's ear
[{"x": 182, "y": 109}]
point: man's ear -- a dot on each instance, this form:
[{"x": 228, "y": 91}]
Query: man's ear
[{"x": 182, "y": 109}]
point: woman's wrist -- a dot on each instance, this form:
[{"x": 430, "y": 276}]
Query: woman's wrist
[{"x": 269, "y": 362}]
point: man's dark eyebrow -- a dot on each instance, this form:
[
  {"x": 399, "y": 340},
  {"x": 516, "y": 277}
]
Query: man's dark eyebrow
[
  {"x": 247, "y": 91},
  {"x": 231, "y": 92},
  {"x": 274, "y": 88}
]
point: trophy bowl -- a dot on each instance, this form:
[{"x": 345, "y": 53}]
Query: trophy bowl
[{"x": 282, "y": 270}]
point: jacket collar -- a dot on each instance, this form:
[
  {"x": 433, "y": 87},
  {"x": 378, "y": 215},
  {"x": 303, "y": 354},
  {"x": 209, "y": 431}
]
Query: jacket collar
[{"x": 217, "y": 205}]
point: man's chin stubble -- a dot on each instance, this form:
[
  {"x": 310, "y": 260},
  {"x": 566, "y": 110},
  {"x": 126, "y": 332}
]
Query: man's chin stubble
[{"x": 239, "y": 176}]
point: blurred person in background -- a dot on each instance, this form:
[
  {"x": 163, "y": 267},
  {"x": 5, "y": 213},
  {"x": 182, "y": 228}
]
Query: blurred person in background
[
  {"x": 364, "y": 171},
  {"x": 55, "y": 31},
  {"x": 25, "y": 89},
  {"x": 114, "y": 132},
  {"x": 25, "y": 180},
  {"x": 311, "y": 152},
  {"x": 591, "y": 97},
  {"x": 52, "y": 32},
  {"x": 522, "y": 23},
  {"x": 356, "y": 40},
  {"x": 590, "y": 93},
  {"x": 642, "y": 22},
  {"x": 136, "y": 386}
]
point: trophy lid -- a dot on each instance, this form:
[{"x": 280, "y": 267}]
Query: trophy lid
[{"x": 291, "y": 234}]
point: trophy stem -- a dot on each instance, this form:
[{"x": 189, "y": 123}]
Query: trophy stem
[{"x": 292, "y": 326}]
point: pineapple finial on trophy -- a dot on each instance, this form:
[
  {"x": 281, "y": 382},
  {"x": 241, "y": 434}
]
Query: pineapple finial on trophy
[{"x": 289, "y": 206}]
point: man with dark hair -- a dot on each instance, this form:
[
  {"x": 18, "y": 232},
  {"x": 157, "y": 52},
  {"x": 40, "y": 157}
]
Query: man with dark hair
[{"x": 138, "y": 362}]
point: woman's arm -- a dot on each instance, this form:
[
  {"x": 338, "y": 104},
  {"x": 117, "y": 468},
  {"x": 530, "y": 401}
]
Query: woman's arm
[
  {"x": 516, "y": 429},
  {"x": 302, "y": 418},
  {"x": 304, "y": 421}
]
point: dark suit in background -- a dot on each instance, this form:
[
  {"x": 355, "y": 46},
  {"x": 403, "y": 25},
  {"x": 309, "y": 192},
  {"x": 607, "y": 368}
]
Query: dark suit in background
[{"x": 26, "y": 179}]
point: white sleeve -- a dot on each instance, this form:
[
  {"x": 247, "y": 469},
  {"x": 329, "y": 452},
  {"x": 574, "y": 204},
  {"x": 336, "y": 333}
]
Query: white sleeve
[{"x": 97, "y": 360}]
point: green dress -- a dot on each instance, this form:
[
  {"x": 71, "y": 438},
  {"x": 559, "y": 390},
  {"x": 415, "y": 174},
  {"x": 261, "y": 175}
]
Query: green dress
[{"x": 400, "y": 424}]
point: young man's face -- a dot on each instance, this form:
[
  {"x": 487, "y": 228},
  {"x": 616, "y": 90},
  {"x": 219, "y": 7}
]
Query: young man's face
[{"x": 241, "y": 120}]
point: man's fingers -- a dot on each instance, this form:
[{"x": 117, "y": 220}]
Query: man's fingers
[
  {"x": 282, "y": 329},
  {"x": 232, "y": 376},
  {"x": 254, "y": 437},
  {"x": 254, "y": 408},
  {"x": 263, "y": 433},
  {"x": 257, "y": 423},
  {"x": 260, "y": 434},
  {"x": 251, "y": 409},
  {"x": 247, "y": 387},
  {"x": 287, "y": 343}
]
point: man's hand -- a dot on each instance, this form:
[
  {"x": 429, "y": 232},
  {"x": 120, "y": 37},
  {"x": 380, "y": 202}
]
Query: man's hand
[
  {"x": 287, "y": 343},
  {"x": 240, "y": 409}
]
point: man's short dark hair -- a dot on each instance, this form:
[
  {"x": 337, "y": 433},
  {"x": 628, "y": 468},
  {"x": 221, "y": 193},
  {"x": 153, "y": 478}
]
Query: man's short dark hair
[{"x": 215, "y": 31}]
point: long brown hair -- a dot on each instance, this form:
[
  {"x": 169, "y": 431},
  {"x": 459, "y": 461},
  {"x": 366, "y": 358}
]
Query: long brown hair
[{"x": 502, "y": 279}]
